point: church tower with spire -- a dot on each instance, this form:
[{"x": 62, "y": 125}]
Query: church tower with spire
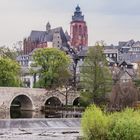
[{"x": 78, "y": 30}]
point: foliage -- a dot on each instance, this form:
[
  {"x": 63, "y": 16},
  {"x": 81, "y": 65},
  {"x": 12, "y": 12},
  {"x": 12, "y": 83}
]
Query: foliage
[
  {"x": 99, "y": 125},
  {"x": 123, "y": 95},
  {"x": 94, "y": 124},
  {"x": 54, "y": 67},
  {"x": 95, "y": 76},
  {"x": 9, "y": 73},
  {"x": 125, "y": 125}
]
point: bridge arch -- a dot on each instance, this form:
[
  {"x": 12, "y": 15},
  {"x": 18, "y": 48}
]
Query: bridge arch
[
  {"x": 53, "y": 101},
  {"x": 23, "y": 101},
  {"x": 76, "y": 101}
]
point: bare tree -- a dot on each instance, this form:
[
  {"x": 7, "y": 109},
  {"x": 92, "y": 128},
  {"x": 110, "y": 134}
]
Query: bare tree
[
  {"x": 18, "y": 47},
  {"x": 123, "y": 95}
]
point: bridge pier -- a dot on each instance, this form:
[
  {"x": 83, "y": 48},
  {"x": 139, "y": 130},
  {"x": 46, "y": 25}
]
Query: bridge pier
[{"x": 5, "y": 113}]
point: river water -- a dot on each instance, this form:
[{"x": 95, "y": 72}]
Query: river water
[{"x": 31, "y": 114}]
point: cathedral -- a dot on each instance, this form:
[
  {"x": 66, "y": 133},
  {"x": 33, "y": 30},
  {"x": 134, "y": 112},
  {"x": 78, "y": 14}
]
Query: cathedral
[{"x": 56, "y": 37}]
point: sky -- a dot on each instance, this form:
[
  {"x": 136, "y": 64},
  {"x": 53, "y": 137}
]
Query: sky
[{"x": 108, "y": 20}]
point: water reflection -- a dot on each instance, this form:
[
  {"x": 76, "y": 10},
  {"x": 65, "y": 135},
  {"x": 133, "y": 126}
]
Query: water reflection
[
  {"x": 47, "y": 114},
  {"x": 20, "y": 114}
]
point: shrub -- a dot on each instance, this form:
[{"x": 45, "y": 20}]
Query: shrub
[
  {"x": 97, "y": 125},
  {"x": 124, "y": 125},
  {"x": 94, "y": 124}
]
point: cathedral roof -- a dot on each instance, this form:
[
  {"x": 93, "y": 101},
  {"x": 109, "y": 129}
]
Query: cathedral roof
[{"x": 47, "y": 36}]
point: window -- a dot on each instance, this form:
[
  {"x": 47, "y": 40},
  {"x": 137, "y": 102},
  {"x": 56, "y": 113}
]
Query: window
[{"x": 80, "y": 29}]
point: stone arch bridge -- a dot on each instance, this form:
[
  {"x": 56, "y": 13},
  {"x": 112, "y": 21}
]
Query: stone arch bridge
[{"x": 32, "y": 99}]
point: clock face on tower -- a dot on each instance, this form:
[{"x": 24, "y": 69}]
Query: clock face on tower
[{"x": 78, "y": 29}]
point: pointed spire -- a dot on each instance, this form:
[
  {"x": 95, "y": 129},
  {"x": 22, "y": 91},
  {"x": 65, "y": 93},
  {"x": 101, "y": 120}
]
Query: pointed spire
[
  {"x": 78, "y": 8},
  {"x": 48, "y": 27}
]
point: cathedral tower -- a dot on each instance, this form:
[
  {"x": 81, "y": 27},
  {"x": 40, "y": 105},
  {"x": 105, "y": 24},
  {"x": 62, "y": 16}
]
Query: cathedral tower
[{"x": 78, "y": 30}]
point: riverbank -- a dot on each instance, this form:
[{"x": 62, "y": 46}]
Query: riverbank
[{"x": 40, "y": 129}]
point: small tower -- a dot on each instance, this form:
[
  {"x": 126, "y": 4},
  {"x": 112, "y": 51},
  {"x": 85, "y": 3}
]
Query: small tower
[
  {"x": 48, "y": 27},
  {"x": 57, "y": 41},
  {"x": 78, "y": 30}
]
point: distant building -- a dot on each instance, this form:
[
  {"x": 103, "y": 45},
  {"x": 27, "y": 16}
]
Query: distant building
[
  {"x": 26, "y": 62},
  {"x": 129, "y": 47},
  {"x": 78, "y": 30},
  {"x": 123, "y": 72},
  {"x": 42, "y": 39},
  {"x": 111, "y": 54}
]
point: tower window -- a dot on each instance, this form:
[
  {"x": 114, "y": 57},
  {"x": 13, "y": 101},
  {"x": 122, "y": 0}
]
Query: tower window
[{"x": 80, "y": 29}]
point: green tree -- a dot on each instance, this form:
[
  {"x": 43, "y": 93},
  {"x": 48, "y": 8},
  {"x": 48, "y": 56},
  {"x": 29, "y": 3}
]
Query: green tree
[
  {"x": 9, "y": 73},
  {"x": 53, "y": 65},
  {"x": 95, "y": 76}
]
